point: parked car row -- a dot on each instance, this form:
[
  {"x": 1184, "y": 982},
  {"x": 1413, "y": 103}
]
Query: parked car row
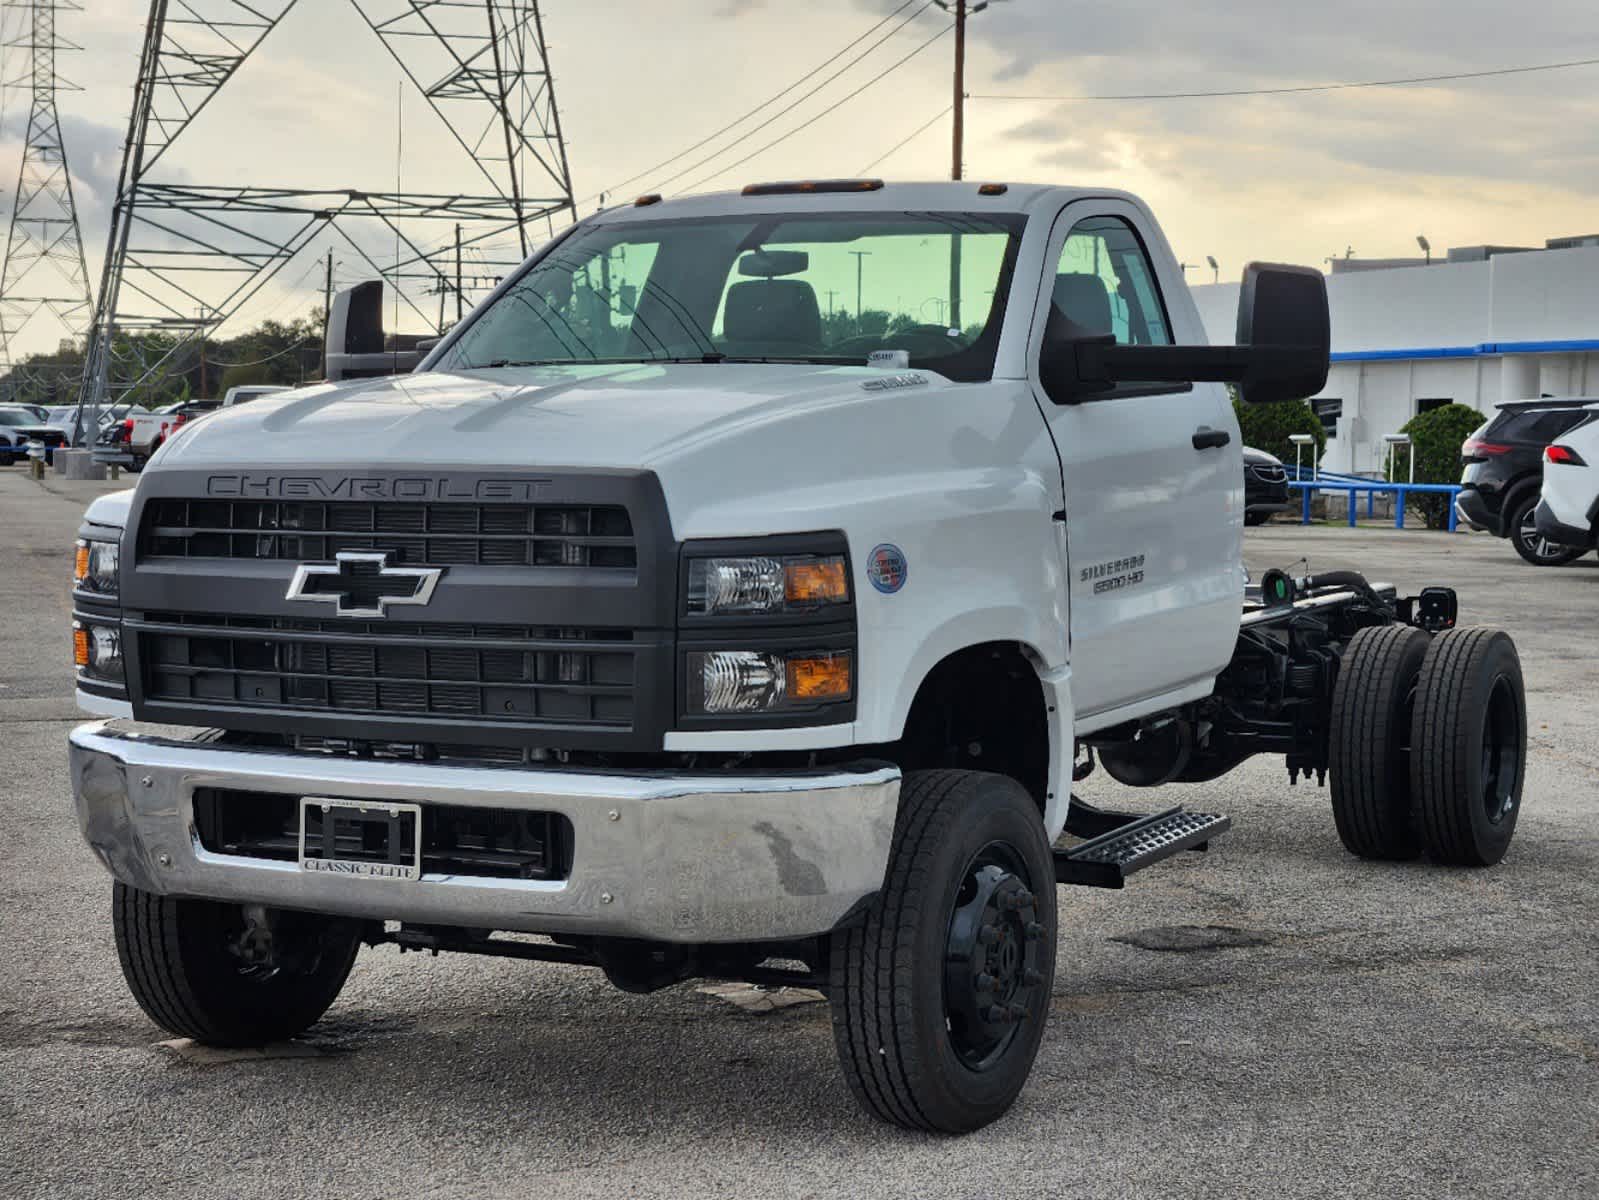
[
  {"x": 126, "y": 436},
  {"x": 1513, "y": 463}
]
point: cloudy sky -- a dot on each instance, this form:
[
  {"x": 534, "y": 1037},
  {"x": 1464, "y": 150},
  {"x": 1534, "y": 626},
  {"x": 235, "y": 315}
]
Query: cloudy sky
[{"x": 1288, "y": 177}]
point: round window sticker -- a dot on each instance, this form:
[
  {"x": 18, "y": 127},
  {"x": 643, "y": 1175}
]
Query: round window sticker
[{"x": 887, "y": 569}]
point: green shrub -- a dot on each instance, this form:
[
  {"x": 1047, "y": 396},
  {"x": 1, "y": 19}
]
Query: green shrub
[
  {"x": 1267, "y": 426},
  {"x": 1435, "y": 439}
]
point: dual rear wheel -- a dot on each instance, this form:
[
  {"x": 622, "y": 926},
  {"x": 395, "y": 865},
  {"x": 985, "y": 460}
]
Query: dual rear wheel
[{"x": 1428, "y": 744}]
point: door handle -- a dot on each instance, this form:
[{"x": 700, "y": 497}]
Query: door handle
[{"x": 1206, "y": 438}]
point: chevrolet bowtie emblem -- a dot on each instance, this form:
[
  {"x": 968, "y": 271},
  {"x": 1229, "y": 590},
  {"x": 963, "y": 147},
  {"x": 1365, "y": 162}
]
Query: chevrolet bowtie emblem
[{"x": 363, "y": 583}]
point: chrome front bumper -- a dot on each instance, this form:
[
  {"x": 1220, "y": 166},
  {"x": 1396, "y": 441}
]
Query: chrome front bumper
[{"x": 665, "y": 856}]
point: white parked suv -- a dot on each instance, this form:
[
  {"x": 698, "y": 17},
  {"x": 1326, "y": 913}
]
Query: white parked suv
[
  {"x": 709, "y": 626},
  {"x": 1568, "y": 511}
]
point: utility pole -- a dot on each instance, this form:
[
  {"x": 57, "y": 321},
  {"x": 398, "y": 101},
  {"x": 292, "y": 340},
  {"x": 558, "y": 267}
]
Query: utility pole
[
  {"x": 960, "y": 89},
  {"x": 327, "y": 304},
  {"x": 860, "y": 263},
  {"x": 459, "y": 302},
  {"x": 960, "y": 9}
]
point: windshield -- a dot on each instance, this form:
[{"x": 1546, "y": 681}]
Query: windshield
[
  {"x": 12, "y": 416},
  {"x": 827, "y": 288}
]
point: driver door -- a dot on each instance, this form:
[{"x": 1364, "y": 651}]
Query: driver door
[{"x": 1151, "y": 476}]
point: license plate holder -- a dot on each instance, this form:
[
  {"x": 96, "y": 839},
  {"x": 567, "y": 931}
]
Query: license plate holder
[{"x": 365, "y": 839}]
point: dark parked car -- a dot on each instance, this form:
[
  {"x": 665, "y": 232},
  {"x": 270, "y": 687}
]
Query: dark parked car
[
  {"x": 1504, "y": 474},
  {"x": 1265, "y": 486}
]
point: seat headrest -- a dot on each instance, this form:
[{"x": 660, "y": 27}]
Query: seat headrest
[
  {"x": 1083, "y": 300},
  {"x": 773, "y": 311}
]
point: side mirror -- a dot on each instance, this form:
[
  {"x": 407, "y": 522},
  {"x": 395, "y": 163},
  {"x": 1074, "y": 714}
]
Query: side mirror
[
  {"x": 1283, "y": 342},
  {"x": 1282, "y": 314},
  {"x": 355, "y": 346}
]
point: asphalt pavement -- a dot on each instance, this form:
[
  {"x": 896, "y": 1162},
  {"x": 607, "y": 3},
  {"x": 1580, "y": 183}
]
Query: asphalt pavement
[{"x": 1273, "y": 1018}]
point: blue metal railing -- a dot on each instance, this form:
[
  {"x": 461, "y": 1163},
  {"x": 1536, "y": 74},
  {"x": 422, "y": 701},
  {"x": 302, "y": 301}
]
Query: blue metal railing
[{"x": 1354, "y": 486}]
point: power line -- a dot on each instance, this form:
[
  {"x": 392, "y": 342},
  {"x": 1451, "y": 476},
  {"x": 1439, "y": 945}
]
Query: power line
[
  {"x": 905, "y": 141},
  {"x": 1319, "y": 87},
  {"x": 765, "y": 104},
  {"x": 782, "y": 112},
  {"x": 876, "y": 79}
]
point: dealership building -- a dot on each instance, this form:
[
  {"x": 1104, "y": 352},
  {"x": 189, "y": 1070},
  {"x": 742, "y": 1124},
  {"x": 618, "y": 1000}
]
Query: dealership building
[{"x": 1485, "y": 325}]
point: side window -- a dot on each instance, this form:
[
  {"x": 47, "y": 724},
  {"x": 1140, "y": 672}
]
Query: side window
[{"x": 1104, "y": 283}]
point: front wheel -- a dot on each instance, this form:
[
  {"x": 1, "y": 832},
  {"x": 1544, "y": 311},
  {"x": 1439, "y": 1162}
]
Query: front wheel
[
  {"x": 200, "y": 970},
  {"x": 939, "y": 996},
  {"x": 1532, "y": 545}
]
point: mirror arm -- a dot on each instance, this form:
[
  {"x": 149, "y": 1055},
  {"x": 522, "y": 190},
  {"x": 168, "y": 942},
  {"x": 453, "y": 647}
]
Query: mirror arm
[{"x": 1105, "y": 364}]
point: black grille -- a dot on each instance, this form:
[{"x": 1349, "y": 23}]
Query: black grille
[
  {"x": 1269, "y": 473},
  {"x": 435, "y": 534},
  {"x": 493, "y": 842},
  {"x": 498, "y": 674}
]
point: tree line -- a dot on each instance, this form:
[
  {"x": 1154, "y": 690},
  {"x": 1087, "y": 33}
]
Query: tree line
[{"x": 282, "y": 352}]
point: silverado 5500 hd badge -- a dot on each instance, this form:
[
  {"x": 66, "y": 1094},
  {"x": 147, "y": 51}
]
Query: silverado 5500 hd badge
[{"x": 1113, "y": 575}]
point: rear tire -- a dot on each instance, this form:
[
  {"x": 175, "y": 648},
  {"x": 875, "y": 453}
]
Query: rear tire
[
  {"x": 176, "y": 957},
  {"x": 939, "y": 996},
  {"x": 1368, "y": 742},
  {"x": 1530, "y": 544},
  {"x": 1469, "y": 746}
]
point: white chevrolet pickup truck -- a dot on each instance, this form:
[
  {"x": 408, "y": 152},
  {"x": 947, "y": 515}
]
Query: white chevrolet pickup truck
[{"x": 742, "y": 591}]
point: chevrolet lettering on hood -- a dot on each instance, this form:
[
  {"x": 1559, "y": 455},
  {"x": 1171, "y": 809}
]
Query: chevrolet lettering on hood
[{"x": 354, "y": 487}]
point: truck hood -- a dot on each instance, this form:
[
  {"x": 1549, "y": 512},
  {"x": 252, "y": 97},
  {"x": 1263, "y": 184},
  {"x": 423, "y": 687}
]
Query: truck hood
[{"x": 584, "y": 416}]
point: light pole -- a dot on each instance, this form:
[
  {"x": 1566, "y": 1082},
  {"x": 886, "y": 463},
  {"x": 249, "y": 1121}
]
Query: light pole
[
  {"x": 1426, "y": 247},
  {"x": 1214, "y": 269}
]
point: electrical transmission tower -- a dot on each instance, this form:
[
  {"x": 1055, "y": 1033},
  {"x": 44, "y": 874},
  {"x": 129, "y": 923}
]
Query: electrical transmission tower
[
  {"x": 184, "y": 256},
  {"x": 44, "y": 270}
]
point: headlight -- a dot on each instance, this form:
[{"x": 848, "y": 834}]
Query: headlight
[
  {"x": 759, "y": 681},
  {"x": 96, "y": 568},
  {"x": 97, "y": 650},
  {"x": 775, "y": 584}
]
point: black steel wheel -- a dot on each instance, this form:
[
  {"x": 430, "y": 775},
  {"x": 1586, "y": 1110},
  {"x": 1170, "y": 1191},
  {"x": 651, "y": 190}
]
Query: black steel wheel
[
  {"x": 1469, "y": 746},
  {"x": 1368, "y": 741},
  {"x": 199, "y": 971},
  {"x": 1532, "y": 545},
  {"x": 940, "y": 995}
]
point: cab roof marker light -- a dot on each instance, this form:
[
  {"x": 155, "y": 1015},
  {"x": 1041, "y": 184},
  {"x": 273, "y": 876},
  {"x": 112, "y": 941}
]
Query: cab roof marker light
[
  {"x": 647, "y": 199},
  {"x": 993, "y": 189},
  {"x": 812, "y": 187}
]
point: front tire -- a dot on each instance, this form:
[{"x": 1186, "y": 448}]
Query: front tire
[
  {"x": 179, "y": 960},
  {"x": 1368, "y": 741},
  {"x": 939, "y": 996},
  {"x": 1532, "y": 545},
  {"x": 1469, "y": 746}
]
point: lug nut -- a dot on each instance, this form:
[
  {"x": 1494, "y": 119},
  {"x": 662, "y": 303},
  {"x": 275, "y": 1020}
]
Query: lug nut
[
  {"x": 985, "y": 982},
  {"x": 1032, "y": 978},
  {"x": 1018, "y": 1012},
  {"x": 996, "y": 1014},
  {"x": 1034, "y": 931},
  {"x": 988, "y": 935}
]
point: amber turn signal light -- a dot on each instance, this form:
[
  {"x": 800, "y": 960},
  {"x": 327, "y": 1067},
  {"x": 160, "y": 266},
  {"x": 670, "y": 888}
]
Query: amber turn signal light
[
  {"x": 815, "y": 581},
  {"x": 80, "y": 642},
  {"x": 80, "y": 565},
  {"x": 819, "y": 677}
]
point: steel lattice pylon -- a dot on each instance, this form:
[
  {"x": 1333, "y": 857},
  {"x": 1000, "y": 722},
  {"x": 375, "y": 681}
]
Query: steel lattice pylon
[
  {"x": 184, "y": 257},
  {"x": 44, "y": 268}
]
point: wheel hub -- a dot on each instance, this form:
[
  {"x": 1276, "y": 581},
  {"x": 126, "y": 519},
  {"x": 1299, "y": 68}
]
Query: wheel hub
[{"x": 992, "y": 983}]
